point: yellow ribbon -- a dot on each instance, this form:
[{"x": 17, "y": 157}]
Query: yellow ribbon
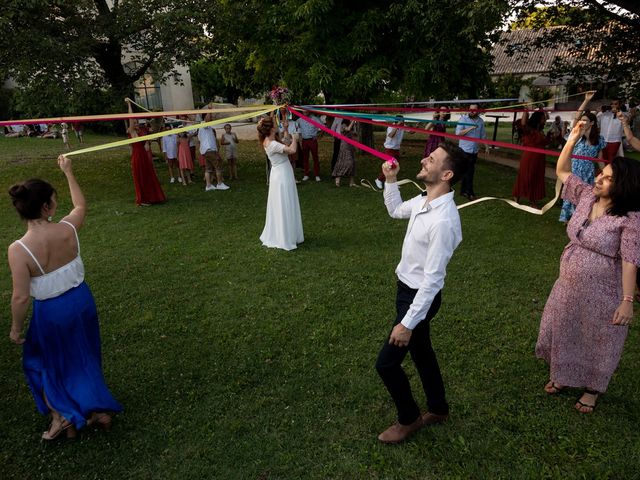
[
  {"x": 536, "y": 211},
  {"x": 174, "y": 131}
]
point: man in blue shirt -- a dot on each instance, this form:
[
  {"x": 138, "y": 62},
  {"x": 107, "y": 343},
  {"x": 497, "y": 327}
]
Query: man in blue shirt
[{"x": 471, "y": 148}]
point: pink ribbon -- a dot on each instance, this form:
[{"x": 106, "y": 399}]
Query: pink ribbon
[{"x": 446, "y": 135}]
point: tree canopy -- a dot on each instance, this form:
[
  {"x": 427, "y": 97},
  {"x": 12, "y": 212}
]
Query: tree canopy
[
  {"x": 85, "y": 53},
  {"x": 355, "y": 51},
  {"x": 71, "y": 47},
  {"x": 602, "y": 38}
]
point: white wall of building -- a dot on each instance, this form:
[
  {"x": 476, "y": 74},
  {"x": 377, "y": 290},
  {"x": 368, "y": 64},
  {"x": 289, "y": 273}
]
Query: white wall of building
[{"x": 176, "y": 96}]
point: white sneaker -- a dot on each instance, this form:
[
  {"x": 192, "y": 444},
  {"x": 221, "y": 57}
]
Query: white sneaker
[
  {"x": 208, "y": 188},
  {"x": 317, "y": 179},
  {"x": 222, "y": 186},
  {"x": 305, "y": 178},
  {"x": 379, "y": 184},
  {"x": 173, "y": 180},
  {"x": 179, "y": 179}
]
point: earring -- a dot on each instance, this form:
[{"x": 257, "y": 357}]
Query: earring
[{"x": 49, "y": 218}]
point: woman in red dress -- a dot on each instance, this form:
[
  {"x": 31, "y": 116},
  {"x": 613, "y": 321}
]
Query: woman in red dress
[
  {"x": 530, "y": 181},
  {"x": 145, "y": 180}
]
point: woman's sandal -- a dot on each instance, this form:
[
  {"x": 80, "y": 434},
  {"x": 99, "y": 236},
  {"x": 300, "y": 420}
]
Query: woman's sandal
[
  {"x": 65, "y": 426},
  {"x": 100, "y": 420},
  {"x": 553, "y": 388},
  {"x": 589, "y": 407}
]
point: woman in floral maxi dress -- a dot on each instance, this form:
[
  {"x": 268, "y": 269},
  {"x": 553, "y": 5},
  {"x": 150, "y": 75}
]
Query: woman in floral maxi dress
[{"x": 586, "y": 317}]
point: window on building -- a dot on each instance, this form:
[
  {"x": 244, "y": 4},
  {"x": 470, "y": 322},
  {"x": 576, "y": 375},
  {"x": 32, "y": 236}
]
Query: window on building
[{"x": 147, "y": 92}]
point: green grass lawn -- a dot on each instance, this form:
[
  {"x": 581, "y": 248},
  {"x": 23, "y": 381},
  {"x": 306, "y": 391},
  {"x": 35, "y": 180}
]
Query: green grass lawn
[{"x": 234, "y": 361}]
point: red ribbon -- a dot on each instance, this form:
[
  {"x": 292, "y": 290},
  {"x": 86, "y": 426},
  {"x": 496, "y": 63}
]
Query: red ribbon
[
  {"x": 432, "y": 109},
  {"x": 448, "y": 135}
]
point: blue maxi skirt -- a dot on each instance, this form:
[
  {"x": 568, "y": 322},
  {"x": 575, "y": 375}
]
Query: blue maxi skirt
[{"x": 62, "y": 357}]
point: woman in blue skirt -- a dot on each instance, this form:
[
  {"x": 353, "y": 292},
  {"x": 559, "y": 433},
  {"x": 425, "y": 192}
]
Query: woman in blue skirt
[{"x": 61, "y": 351}]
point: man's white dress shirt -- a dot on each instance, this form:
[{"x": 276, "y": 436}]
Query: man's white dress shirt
[{"x": 433, "y": 233}]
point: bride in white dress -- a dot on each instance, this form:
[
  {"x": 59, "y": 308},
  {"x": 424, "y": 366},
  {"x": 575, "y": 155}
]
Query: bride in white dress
[{"x": 283, "y": 226}]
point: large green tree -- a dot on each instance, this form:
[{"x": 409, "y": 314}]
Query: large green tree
[
  {"x": 354, "y": 51},
  {"x": 57, "y": 49},
  {"x": 602, "y": 38}
]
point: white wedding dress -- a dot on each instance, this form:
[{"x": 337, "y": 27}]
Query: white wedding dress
[{"x": 283, "y": 226}]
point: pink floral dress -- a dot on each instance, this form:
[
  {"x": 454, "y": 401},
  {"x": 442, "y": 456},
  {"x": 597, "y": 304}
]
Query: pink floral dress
[{"x": 576, "y": 335}]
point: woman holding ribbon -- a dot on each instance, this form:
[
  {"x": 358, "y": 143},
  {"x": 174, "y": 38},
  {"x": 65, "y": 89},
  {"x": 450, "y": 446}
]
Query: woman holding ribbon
[
  {"x": 587, "y": 315},
  {"x": 590, "y": 145},
  {"x": 283, "y": 226},
  {"x": 145, "y": 180},
  {"x": 530, "y": 181},
  {"x": 438, "y": 125},
  {"x": 61, "y": 351}
]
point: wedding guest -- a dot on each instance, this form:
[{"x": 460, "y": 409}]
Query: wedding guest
[
  {"x": 530, "y": 180},
  {"x": 438, "y": 125},
  {"x": 587, "y": 315},
  {"x": 611, "y": 129},
  {"x": 309, "y": 133},
  {"x": 61, "y": 351},
  {"x": 185, "y": 160},
  {"x": 65, "y": 135},
  {"x": 170, "y": 153},
  {"x": 79, "y": 131},
  {"x": 590, "y": 145},
  {"x": 392, "y": 143},
  {"x": 145, "y": 180},
  {"x": 230, "y": 141},
  {"x": 336, "y": 126},
  {"x": 556, "y": 133},
  {"x": 346, "y": 162},
  {"x": 633, "y": 140},
  {"x": 213, "y": 160},
  {"x": 433, "y": 234},
  {"x": 475, "y": 130}
]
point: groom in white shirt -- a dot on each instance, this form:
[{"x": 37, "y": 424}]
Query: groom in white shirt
[{"x": 433, "y": 234}]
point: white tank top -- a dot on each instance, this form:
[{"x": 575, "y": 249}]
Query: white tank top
[{"x": 60, "y": 280}]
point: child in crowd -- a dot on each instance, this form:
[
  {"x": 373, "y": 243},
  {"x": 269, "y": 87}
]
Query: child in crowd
[
  {"x": 65, "y": 135},
  {"x": 185, "y": 161},
  {"x": 78, "y": 129},
  {"x": 193, "y": 136},
  {"x": 346, "y": 162},
  {"x": 230, "y": 140},
  {"x": 170, "y": 150}
]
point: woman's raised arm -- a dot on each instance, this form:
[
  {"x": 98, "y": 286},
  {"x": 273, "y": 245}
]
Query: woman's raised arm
[
  {"x": 79, "y": 211},
  {"x": 563, "y": 167}
]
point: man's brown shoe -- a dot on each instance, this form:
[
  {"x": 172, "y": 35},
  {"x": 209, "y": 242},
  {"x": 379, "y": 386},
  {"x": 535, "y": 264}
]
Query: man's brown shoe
[
  {"x": 397, "y": 432},
  {"x": 429, "y": 418}
]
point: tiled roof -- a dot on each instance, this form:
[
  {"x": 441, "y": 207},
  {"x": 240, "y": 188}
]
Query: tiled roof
[{"x": 524, "y": 60}]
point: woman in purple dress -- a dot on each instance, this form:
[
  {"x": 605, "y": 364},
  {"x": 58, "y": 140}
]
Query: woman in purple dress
[
  {"x": 587, "y": 315},
  {"x": 437, "y": 125}
]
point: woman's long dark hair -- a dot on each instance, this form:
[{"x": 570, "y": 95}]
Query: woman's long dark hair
[
  {"x": 535, "y": 120},
  {"x": 625, "y": 190},
  {"x": 594, "y": 134}
]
